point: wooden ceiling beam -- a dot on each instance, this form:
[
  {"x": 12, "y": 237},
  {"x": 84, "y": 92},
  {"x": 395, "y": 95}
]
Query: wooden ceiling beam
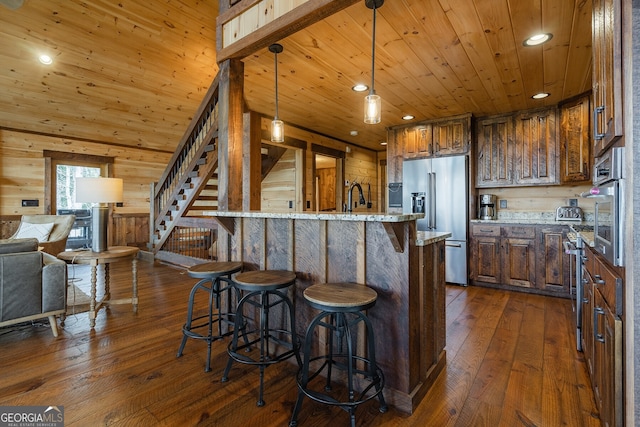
[{"x": 262, "y": 31}]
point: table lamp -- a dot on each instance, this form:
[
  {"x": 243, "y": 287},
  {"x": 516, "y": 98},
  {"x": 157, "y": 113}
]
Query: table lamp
[{"x": 101, "y": 191}]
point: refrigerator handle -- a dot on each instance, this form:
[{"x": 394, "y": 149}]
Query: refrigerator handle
[
  {"x": 432, "y": 201},
  {"x": 427, "y": 202}
]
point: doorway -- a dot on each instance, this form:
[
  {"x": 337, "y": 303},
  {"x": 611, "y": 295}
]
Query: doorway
[
  {"x": 81, "y": 234},
  {"x": 325, "y": 182}
]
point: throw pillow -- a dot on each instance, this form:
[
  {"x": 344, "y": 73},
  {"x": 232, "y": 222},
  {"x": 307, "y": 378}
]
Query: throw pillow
[{"x": 38, "y": 231}]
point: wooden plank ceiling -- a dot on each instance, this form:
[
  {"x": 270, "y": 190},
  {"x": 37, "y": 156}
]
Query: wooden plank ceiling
[{"x": 133, "y": 72}]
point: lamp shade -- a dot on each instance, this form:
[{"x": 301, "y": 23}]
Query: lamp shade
[{"x": 99, "y": 190}]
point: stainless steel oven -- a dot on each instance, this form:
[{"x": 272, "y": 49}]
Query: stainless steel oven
[{"x": 609, "y": 206}]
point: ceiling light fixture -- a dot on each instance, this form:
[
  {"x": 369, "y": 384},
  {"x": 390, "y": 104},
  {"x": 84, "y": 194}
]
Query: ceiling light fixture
[
  {"x": 537, "y": 39},
  {"x": 372, "y": 102},
  {"x": 408, "y": 117},
  {"x": 540, "y": 95},
  {"x": 360, "y": 87},
  {"x": 277, "y": 127},
  {"x": 45, "y": 59}
]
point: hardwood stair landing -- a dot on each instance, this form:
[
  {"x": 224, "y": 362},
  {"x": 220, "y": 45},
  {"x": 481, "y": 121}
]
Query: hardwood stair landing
[{"x": 511, "y": 361}]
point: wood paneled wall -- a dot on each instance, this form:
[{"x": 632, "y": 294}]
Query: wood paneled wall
[
  {"x": 279, "y": 186},
  {"x": 22, "y": 170}
]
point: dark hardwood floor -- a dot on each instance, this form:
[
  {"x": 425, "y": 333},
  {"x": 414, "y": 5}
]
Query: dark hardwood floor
[{"x": 511, "y": 361}]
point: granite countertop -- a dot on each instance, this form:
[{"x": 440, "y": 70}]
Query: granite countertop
[
  {"x": 425, "y": 238},
  {"x": 532, "y": 218},
  {"x": 327, "y": 216},
  {"x": 524, "y": 221},
  {"x": 588, "y": 237}
]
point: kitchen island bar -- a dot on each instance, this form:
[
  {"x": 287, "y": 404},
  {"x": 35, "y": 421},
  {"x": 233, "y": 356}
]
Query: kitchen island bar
[{"x": 405, "y": 267}]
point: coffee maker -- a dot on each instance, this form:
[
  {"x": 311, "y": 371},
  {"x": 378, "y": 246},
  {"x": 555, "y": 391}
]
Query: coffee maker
[{"x": 487, "y": 206}]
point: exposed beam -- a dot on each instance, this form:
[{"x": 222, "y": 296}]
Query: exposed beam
[{"x": 272, "y": 31}]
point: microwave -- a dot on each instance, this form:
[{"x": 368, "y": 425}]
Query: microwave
[{"x": 609, "y": 224}]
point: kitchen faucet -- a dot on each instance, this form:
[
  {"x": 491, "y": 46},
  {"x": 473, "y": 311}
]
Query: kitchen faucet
[{"x": 362, "y": 200}]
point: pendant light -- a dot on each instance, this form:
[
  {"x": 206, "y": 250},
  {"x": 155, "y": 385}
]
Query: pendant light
[
  {"x": 372, "y": 102},
  {"x": 277, "y": 127}
]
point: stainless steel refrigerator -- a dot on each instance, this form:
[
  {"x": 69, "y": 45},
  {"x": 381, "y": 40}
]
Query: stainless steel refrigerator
[{"x": 441, "y": 187}]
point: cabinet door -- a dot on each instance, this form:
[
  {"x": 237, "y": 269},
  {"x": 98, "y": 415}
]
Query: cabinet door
[
  {"x": 451, "y": 137},
  {"x": 485, "y": 259},
  {"x": 552, "y": 263},
  {"x": 575, "y": 145},
  {"x": 536, "y": 148},
  {"x": 518, "y": 263},
  {"x": 424, "y": 140},
  {"x": 598, "y": 348},
  {"x": 607, "y": 73},
  {"x": 611, "y": 411},
  {"x": 495, "y": 143},
  {"x": 587, "y": 323},
  {"x": 408, "y": 141}
]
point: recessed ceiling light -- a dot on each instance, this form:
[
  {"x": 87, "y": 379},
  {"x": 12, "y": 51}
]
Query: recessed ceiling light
[
  {"x": 383, "y": 142},
  {"x": 45, "y": 59},
  {"x": 360, "y": 87},
  {"x": 408, "y": 117},
  {"x": 537, "y": 39},
  {"x": 540, "y": 95},
  {"x": 354, "y": 133}
]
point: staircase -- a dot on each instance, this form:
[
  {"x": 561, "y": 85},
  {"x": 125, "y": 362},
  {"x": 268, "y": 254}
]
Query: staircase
[
  {"x": 179, "y": 233},
  {"x": 189, "y": 185}
]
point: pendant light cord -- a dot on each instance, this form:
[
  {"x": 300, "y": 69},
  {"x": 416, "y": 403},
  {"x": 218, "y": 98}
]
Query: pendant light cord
[
  {"x": 276, "y": 67},
  {"x": 373, "y": 51}
]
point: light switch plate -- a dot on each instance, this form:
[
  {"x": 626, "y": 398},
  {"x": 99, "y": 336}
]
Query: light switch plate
[{"x": 503, "y": 204}]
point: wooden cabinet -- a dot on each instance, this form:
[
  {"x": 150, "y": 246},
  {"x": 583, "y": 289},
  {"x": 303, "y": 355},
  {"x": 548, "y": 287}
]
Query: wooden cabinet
[
  {"x": 607, "y": 73},
  {"x": 602, "y": 338},
  {"x": 451, "y": 137},
  {"x": 485, "y": 253},
  {"x": 575, "y": 144},
  {"x": 416, "y": 141},
  {"x": 433, "y": 138},
  {"x": 587, "y": 321},
  {"x": 536, "y": 146},
  {"x": 552, "y": 262},
  {"x": 518, "y": 259},
  {"x": 494, "y": 151},
  {"x": 527, "y": 257},
  {"x": 503, "y": 255}
]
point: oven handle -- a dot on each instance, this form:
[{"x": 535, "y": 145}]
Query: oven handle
[{"x": 570, "y": 249}]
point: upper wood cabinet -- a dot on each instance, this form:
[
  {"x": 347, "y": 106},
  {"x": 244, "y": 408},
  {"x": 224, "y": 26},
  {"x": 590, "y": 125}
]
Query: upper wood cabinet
[
  {"x": 524, "y": 148},
  {"x": 575, "y": 145},
  {"x": 607, "y": 73},
  {"x": 451, "y": 136},
  {"x": 536, "y": 146},
  {"x": 494, "y": 151},
  {"x": 433, "y": 138}
]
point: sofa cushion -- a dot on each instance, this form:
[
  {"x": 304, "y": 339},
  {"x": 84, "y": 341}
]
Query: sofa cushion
[
  {"x": 11, "y": 246},
  {"x": 38, "y": 231}
]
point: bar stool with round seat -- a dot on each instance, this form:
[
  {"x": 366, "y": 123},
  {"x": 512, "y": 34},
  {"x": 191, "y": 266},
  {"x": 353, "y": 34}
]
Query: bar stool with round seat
[
  {"x": 341, "y": 308},
  {"x": 265, "y": 290},
  {"x": 212, "y": 274}
]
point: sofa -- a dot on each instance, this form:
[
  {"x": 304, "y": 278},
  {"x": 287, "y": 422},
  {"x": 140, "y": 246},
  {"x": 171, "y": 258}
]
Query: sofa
[{"x": 33, "y": 283}]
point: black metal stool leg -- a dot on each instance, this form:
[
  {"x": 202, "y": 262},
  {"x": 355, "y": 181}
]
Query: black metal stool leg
[{"x": 187, "y": 324}]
